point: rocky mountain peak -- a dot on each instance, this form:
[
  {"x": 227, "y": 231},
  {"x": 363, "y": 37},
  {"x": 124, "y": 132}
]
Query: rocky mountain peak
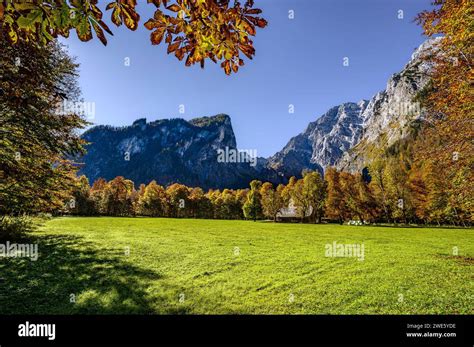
[
  {"x": 323, "y": 141},
  {"x": 345, "y": 134}
]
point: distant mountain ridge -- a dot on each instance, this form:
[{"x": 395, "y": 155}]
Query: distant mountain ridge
[{"x": 176, "y": 150}]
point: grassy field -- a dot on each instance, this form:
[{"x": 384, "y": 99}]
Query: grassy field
[{"x": 237, "y": 267}]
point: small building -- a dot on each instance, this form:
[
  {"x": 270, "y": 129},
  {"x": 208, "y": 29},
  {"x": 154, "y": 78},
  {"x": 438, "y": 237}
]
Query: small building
[{"x": 290, "y": 213}]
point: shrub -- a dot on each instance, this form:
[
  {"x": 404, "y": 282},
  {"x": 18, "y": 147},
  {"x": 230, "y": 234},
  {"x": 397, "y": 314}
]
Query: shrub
[
  {"x": 44, "y": 216},
  {"x": 15, "y": 227}
]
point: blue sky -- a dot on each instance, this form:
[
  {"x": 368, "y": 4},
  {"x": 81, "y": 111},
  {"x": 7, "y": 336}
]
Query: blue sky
[{"x": 298, "y": 61}]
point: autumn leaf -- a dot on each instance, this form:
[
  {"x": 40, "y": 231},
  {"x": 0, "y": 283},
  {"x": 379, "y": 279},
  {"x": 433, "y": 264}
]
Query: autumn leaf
[
  {"x": 29, "y": 21},
  {"x": 260, "y": 22},
  {"x": 174, "y": 8},
  {"x": 157, "y": 36},
  {"x": 100, "y": 33},
  {"x": 253, "y": 11},
  {"x": 83, "y": 30},
  {"x": 105, "y": 27},
  {"x": 179, "y": 54},
  {"x": 189, "y": 60},
  {"x": 173, "y": 46},
  {"x": 124, "y": 13},
  {"x": 207, "y": 29},
  {"x": 157, "y": 3},
  {"x": 226, "y": 66}
]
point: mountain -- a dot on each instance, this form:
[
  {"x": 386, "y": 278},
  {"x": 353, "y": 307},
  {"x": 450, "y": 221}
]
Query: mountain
[
  {"x": 170, "y": 151},
  {"x": 323, "y": 142},
  {"x": 347, "y": 136},
  {"x": 391, "y": 114}
]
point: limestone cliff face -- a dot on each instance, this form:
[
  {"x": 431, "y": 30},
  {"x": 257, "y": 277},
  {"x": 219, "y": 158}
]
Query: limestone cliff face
[
  {"x": 170, "y": 151},
  {"x": 391, "y": 112}
]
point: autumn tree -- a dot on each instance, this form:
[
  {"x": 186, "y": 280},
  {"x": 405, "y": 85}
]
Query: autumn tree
[
  {"x": 241, "y": 198},
  {"x": 118, "y": 197},
  {"x": 194, "y": 30},
  {"x": 315, "y": 193},
  {"x": 351, "y": 195},
  {"x": 214, "y": 196},
  {"x": 446, "y": 139},
  {"x": 153, "y": 201},
  {"x": 399, "y": 193},
  {"x": 232, "y": 207},
  {"x": 335, "y": 204},
  {"x": 140, "y": 194},
  {"x": 81, "y": 202},
  {"x": 177, "y": 199},
  {"x": 417, "y": 182},
  {"x": 299, "y": 196},
  {"x": 199, "y": 205},
  {"x": 36, "y": 139},
  {"x": 308, "y": 195},
  {"x": 96, "y": 194},
  {"x": 272, "y": 202},
  {"x": 287, "y": 190},
  {"x": 253, "y": 205},
  {"x": 378, "y": 185}
]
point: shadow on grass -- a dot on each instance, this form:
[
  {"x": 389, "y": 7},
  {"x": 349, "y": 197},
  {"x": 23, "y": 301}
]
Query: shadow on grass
[
  {"x": 101, "y": 281},
  {"x": 462, "y": 260}
]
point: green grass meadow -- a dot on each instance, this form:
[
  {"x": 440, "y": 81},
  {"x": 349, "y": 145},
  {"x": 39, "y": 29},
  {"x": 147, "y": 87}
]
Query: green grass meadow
[{"x": 184, "y": 266}]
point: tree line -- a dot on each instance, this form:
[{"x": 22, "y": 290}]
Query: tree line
[{"x": 390, "y": 191}]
